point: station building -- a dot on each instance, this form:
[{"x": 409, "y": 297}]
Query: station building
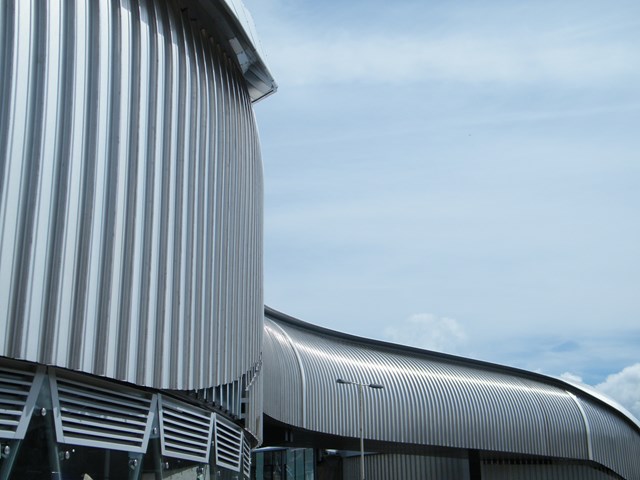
[{"x": 134, "y": 341}]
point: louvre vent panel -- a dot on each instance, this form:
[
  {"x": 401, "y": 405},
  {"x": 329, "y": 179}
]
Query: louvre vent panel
[
  {"x": 95, "y": 416},
  {"x": 228, "y": 445},
  {"x": 185, "y": 431},
  {"x": 246, "y": 457},
  {"x": 18, "y": 393}
]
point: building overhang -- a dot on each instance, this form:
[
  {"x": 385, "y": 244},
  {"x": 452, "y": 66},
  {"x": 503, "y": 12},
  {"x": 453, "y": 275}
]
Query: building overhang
[{"x": 234, "y": 28}]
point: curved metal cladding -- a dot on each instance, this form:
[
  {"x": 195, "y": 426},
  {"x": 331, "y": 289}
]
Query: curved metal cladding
[
  {"x": 432, "y": 399},
  {"x": 417, "y": 467},
  {"x": 407, "y": 467},
  {"x": 131, "y": 194},
  {"x": 612, "y": 439},
  {"x": 543, "y": 471}
]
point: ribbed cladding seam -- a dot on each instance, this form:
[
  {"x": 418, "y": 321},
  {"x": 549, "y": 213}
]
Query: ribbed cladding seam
[
  {"x": 615, "y": 444},
  {"x": 506, "y": 471},
  {"x": 461, "y": 406},
  {"x": 406, "y": 467},
  {"x": 279, "y": 359},
  {"x": 130, "y": 151},
  {"x": 484, "y": 411}
]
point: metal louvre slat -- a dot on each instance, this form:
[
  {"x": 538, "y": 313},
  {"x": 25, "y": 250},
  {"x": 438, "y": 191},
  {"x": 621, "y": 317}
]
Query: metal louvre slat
[
  {"x": 10, "y": 401},
  {"x": 121, "y": 425},
  {"x": 185, "y": 430},
  {"x": 186, "y": 441},
  {"x": 246, "y": 457},
  {"x": 20, "y": 393},
  {"x": 72, "y": 406},
  {"x": 10, "y": 380},
  {"x": 102, "y": 418},
  {"x": 187, "y": 417},
  {"x": 228, "y": 445},
  {"x": 106, "y": 396},
  {"x": 6, "y": 411},
  {"x": 101, "y": 433},
  {"x": 193, "y": 453},
  {"x": 10, "y": 422},
  {"x": 19, "y": 390}
]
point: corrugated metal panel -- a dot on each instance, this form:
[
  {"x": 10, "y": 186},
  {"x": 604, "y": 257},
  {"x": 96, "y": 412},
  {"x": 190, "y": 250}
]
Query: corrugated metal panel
[
  {"x": 281, "y": 357},
  {"x": 425, "y": 401},
  {"x": 533, "y": 471},
  {"x": 253, "y": 398},
  {"x": 428, "y": 399},
  {"x": 96, "y": 413},
  {"x": 130, "y": 195},
  {"x": 406, "y": 467},
  {"x": 614, "y": 442}
]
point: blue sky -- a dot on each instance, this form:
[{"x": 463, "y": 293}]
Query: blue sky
[{"x": 459, "y": 176}]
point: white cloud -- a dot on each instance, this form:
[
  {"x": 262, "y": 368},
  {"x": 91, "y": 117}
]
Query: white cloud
[
  {"x": 570, "y": 377},
  {"x": 624, "y": 387},
  {"x": 428, "y": 331}
]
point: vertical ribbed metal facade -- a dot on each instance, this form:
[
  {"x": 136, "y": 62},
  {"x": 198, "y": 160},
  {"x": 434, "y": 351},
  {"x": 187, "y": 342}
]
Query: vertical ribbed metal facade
[
  {"x": 406, "y": 467},
  {"x": 130, "y": 195},
  {"x": 535, "y": 471}
]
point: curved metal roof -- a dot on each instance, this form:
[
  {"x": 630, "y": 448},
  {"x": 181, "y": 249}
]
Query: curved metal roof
[{"x": 434, "y": 399}]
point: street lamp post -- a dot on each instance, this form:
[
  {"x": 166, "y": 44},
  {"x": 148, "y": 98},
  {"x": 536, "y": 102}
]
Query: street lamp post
[{"x": 360, "y": 414}]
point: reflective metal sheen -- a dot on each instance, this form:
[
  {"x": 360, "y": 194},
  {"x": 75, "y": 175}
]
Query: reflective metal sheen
[
  {"x": 436, "y": 400},
  {"x": 131, "y": 191}
]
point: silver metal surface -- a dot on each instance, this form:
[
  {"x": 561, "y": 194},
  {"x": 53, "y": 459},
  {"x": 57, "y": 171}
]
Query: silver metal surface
[
  {"x": 436, "y": 400},
  {"x": 542, "y": 471},
  {"x": 185, "y": 430},
  {"x": 407, "y": 467},
  {"x": 613, "y": 442},
  {"x": 92, "y": 413},
  {"x": 101, "y": 413},
  {"x": 130, "y": 193},
  {"x": 229, "y": 445}
]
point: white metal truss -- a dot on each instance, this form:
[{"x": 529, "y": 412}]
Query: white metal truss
[
  {"x": 96, "y": 413},
  {"x": 185, "y": 430}
]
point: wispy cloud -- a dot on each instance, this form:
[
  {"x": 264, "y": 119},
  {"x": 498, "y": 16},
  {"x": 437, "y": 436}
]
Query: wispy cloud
[
  {"x": 570, "y": 377},
  {"x": 428, "y": 331},
  {"x": 401, "y": 60},
  {"x": 509, "y": 46}
]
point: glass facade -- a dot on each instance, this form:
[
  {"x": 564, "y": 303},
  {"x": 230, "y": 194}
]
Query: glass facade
[{"x": 283, "y": 464}]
